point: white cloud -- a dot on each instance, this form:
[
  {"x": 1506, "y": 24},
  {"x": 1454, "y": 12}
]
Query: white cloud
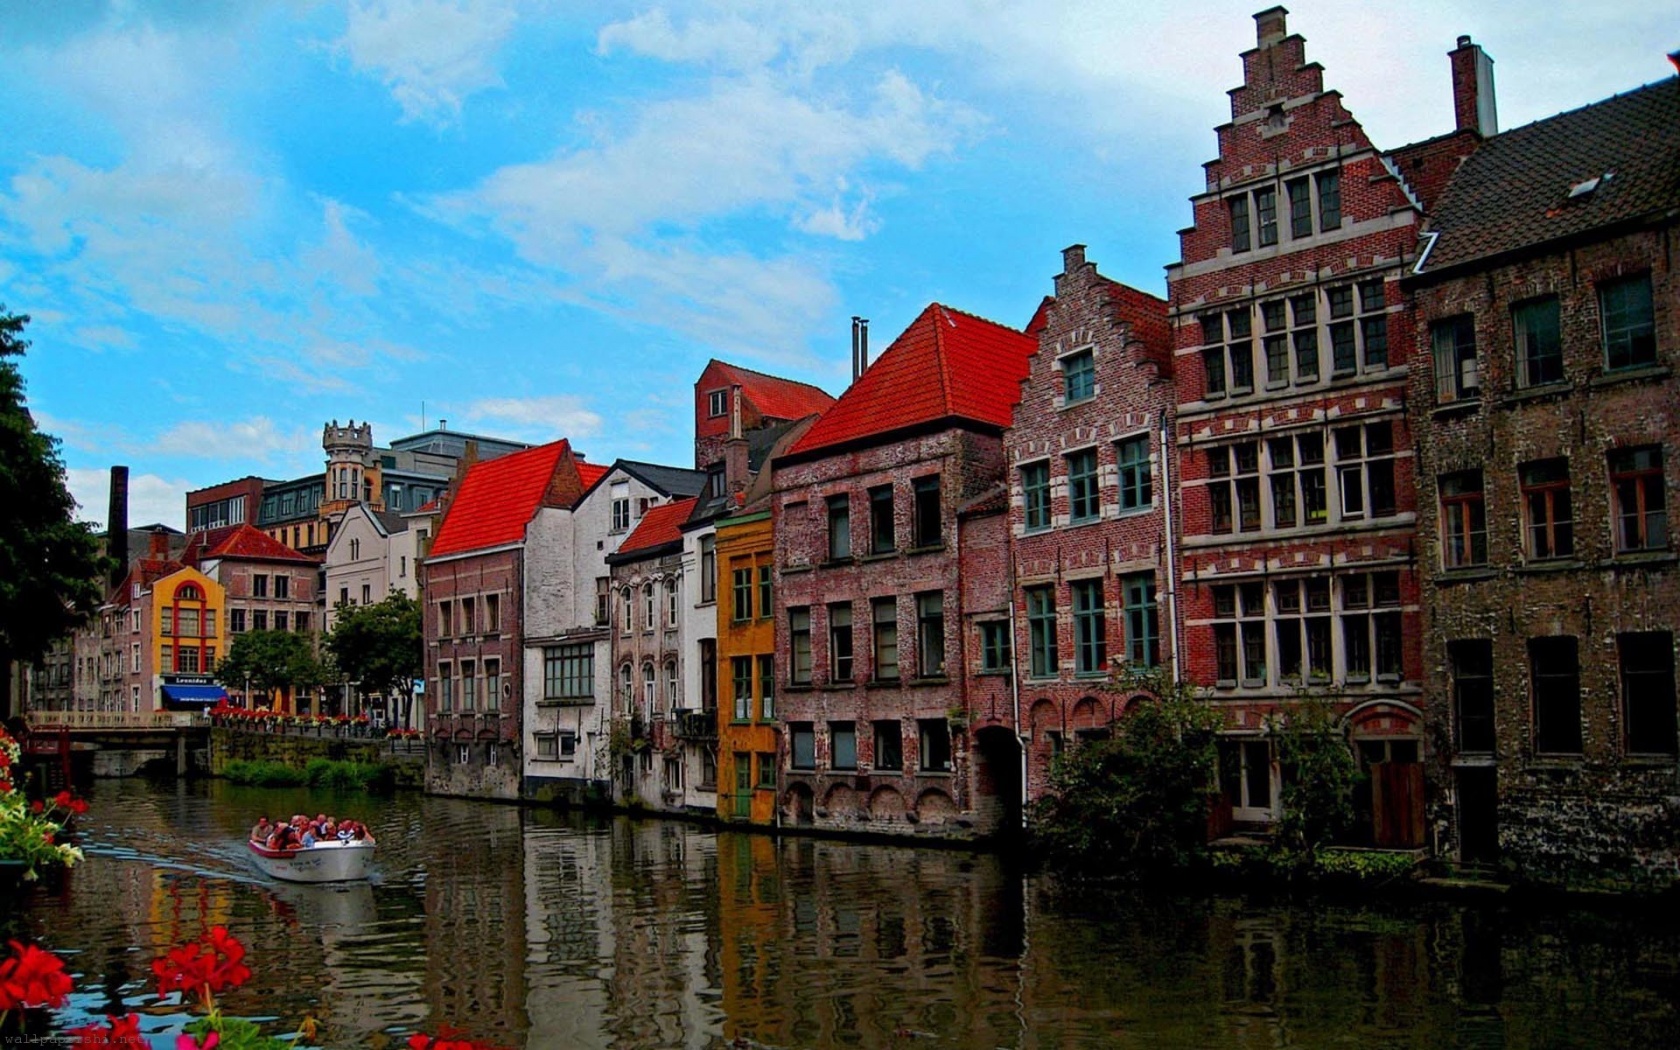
[
  {"x": 430, "y": 54},
  {"x": 547, "y": 418},
  {"x": 257, "y": 438},
  {"x": 151, "y": 497}
]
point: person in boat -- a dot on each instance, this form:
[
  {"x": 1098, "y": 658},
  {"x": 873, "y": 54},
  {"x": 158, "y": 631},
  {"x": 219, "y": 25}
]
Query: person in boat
[{"x": 261, "y": 830}]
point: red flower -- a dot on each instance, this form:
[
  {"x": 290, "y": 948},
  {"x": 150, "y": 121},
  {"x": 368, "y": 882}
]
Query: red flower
[
  {"x": 62, "y": 799},
  {"x": 32, "y": 977},
  {"x": 187, "y": 1042},
  {"x": 211, "y": 964},
  {"x": 446, "y": 1041},
  {"x": 36, "y": 806},
  {"x": 78, "y": 806},
  {"x": 122, "y": 1031}
]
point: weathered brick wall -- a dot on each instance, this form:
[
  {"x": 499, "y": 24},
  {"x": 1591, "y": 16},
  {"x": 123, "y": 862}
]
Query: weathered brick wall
[
  {"x": 1605, "y": 816},
  {"x": 491, "y": 731}
]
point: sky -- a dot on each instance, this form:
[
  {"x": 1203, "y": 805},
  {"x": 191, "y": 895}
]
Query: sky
[{"x": 231, "y": 223}]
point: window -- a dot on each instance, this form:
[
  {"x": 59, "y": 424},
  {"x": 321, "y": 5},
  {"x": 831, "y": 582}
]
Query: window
[
  {"x": 717, "y": 403},
  {"x": 648, "y": 620},
  {"x": 1300, "y": 208},
  {"x": 802, "y": 745},
  {"x": 492, "y": 613},
  {"x": 839, "y": 527},
  {"x": 1090, "y": 635},
  {"x": 766, "y": 590},
  {"x": 1143, "y": 625},
  {"x": 1213, "y": 365},
  {"x": 881, "y": 540},
  {"x": 469, "y": 685},
  {"x": 884, "y": 616},
  {"x": 626, "y": 611},
  {"x": 1079, "y": 376},
  {"x": 1344, "y": 346},
  {"x": 1239, "y": 223},
  {"x": 259, "y": 586},
  {"x": 1373, "y": 327},
  {"x": 603, "y": 601},
  {"x": 1647, "y": 664},
  {"x": 492, "y": 683},
  {"x": 282, "y": 586},
  {"x": 1365, "y": 470},
  {"x": 994, "y": 646},
  {"x": 548, "y": 746},
  {"x": 166, "y": 620},
  {"x": 1556, "y": 673},
  {"x": 1136, "y": 490},
  {"x": 840, "y": 642},
  {"x": 166, "y": 659},
  {"x": 673, "y": 593},
  {"x": 1463, "y": 520},
  {"x": 1548, "y": 524},
  {"x": 627, "y": 688},
  {"x": 1265, "y": 215},
  {"x": 799, "y": 645},
  {"x": 930, "y": 634},
  {"x": 1371, "y": 626},
  {"x": 187, "y": 659},
  {"x": 301, "y": 622},
  {"x": 446, "y": 687},
  {"x": 889, "y": 746},
  {"x": 767, "y": 687},
  {"x": 1239, "y": 641},
  {"x": 843, "y": 745},
  {"x": 673, "y": 692},
  {"x": 930, "y": 530},
  {"x": 1083, "y": 502},
  {"x": 1035, "y": 495},
  {"x": 1303, "y": 309},
  {"x": 568, "y": 745},
  {"x": 708, "y": 570},
  {"x": 1472, "y": 673},
  {"x": 620, "y": 506},
  {"x": 469, "y": 621},
  {"x": 344, "y": 596},
  {"x": 367, "y": 594},
  {"x": 1638, "y": 498},
  {"x": 1041, "y": 631},
  {"x": 650, "y": 689},
  {"x": 934, "y": 736},
  {"x": 568, "y": 672},
  {"x": 742, "y": 594},
  {"x": 280, "y": 619},
  {"x": 1275, "y": 343},
  {"x": 259, "y": 619},
  {"x": 1329, "y": 200},
  {"x": 766, "y": 770},
  {"x": 1235, "y": 483},
  {"x": 1458, "y": 375},
  {"x": 1245, "y": 774},
  {"x": 1539, "y": 348},
  {"x": 1629, "y": 324},
  {"x": 708, "y": 674}
]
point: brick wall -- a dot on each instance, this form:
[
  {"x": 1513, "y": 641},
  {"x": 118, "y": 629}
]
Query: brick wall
[{"x": 490, "y": 732}]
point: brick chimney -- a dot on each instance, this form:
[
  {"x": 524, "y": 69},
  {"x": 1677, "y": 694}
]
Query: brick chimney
[
  {"x": 736, "y": 463},
  {"x": 1271, "y": 26},
  {"x": 159, "y": 545},
  {"x": 1472, "y": 84},
  {"x": 116, "y": 527}
]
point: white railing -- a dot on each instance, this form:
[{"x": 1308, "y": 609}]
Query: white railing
[{"x": 42, "y": 721}]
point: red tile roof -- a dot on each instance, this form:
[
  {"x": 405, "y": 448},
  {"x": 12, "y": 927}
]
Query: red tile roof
[
  {"x": 775, "y": 397},
  {"x": 241, "y": 543},
  {"x": 946, "y": 365},
  {"x": 659, "y": 526},
  {"x": 590, "y": 473},
  {"x": 497, "y": 499}
]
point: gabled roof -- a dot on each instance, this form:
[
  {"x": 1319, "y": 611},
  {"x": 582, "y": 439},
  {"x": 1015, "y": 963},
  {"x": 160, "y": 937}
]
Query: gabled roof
[
  {"x": 590, "y": 473},
  {"x": 659, "y": 527},
  {"x": 1514, "y": 192},
  {"x": 774, "y": 397},
  {"x": 240, "y": 543},
  {"x": 667, "y": 481},
  {"x": 948, "y": 365},
  {"x": 497, "y": 499}
]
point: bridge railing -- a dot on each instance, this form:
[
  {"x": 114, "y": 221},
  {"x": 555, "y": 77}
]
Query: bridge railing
[{"x": 42, "y": 721}]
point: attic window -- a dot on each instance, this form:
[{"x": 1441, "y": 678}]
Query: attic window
[{"x": 1586, "y": 186}]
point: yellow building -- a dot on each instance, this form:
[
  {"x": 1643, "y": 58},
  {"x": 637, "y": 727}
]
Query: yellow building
[
  {"x": 185, "y": 612},
  {"x": 746, "y": 632}
]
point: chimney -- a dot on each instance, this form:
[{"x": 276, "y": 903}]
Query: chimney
[
  {"x": 1270, "y": 26},
  {"x": 159, "y": 545},
  {"x": 855, "y": 369},
  {"x": 443, "y": 424},
  {"x": 1073, "y": 257},
  {"x": 1472, "y": 85},
  {"x": 116, "y": 527},
  {"x": 863, "y": 345},
  {"x": 737, "y": 465}
]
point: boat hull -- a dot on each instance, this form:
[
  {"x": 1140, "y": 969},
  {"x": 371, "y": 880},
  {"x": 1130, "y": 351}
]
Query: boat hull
[{"x": 322, "y": 862}]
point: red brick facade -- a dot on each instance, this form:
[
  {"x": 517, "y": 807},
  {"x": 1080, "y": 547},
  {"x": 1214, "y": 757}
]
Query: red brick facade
[{"x": 474, "y": 676}]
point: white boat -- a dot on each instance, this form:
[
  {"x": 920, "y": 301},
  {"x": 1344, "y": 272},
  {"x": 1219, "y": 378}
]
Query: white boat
[{"x": 323, "y": 862}]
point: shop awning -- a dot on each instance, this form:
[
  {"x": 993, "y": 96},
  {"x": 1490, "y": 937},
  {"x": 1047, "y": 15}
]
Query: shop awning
[{"x": 195, "y": 694}]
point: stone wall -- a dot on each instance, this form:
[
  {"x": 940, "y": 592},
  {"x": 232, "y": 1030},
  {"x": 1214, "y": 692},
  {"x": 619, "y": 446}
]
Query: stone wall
[{"x": 296, "y": 750}]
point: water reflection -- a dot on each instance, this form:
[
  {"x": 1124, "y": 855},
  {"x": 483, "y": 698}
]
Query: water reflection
[{"x": 545, "y": 930}]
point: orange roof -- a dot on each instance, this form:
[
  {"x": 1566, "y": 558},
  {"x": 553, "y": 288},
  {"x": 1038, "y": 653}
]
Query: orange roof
[
  {"x": 497, "y": 499},
  {"x": 946, "y": 365},
  {"x": 590, "y": 473},
  {"x": 775, "y": 397},
  {"x": 240, "y": 542},
  {"x": 659, "y": 526}
]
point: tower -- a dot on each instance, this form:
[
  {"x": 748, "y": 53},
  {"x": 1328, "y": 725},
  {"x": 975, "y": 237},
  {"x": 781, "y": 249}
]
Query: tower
[{"x": 352, "y": 472}]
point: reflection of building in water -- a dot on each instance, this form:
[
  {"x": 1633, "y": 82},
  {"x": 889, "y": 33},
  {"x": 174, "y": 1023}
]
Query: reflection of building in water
[
  {"x": 568, "y": 875},
  {"x": 474, "y": 924}
]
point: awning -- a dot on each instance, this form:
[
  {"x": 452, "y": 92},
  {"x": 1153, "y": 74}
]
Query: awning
[{"x": 195, "y": 694}]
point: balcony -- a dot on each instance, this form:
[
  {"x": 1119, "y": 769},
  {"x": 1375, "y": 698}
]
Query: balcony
[{"x": 694, "y": 725}]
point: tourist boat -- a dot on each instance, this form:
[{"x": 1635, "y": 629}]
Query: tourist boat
[{"x": 322, "y": 862}]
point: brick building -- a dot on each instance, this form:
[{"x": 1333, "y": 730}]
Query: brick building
[
  {"x": 269, "y": 587},
  {"x": 1087, "y": 508},
  {"x": 1293, "y": 435},
  {"x": 472, "y": 585},
  {"x": 751, "y": 402},
  {"x": 1548, "y": 320},
  {"x": 874, "y": 702}
]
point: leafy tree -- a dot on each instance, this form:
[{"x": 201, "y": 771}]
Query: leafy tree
[
  {"x": 1140, "y": 798},
  {"x": 271, "y": 660},
  {"x": 50, "y": 568},
  {"x": 380, "y": 648},
  {"x": 1320, "y": 774}
]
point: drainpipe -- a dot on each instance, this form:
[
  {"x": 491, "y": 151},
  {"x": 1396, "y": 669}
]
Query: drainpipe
[
  {"x": 1172, "y": 550},
  {"x": 1015, "y": 691}
]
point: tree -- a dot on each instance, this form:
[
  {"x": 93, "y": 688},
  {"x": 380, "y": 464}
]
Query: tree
[
  {"x": 380, "y": 648},
  {"x": 51, "y": 571},
  {"x": 1140, "y": 798},
  {"x": 271, "y": 660},
  {"x": 1320, "y": 774}
]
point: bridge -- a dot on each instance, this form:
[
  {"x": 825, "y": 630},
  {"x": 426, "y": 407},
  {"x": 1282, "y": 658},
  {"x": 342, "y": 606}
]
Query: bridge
[{"x": 125, "y": 738}]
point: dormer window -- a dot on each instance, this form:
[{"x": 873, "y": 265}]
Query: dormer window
[{"x": 717, "y": 403}]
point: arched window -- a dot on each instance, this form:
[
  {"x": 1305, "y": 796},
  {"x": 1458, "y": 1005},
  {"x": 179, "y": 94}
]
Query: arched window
[
  {"x": 189, "y": 593},
  {"x": 626, "y": 687},
  {"x": 650, "y": 689},
  {"x": 626, "y": 621},
  {"x": 647, "y": 605},
  {"x": 671, "y": 689}
]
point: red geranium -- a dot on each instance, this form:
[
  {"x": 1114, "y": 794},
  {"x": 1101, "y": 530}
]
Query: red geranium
[
  {"x": 121, "y": 1031},
  {"x": 211, "y": 964},
  {"x": 31, "y": 978},
  {"x": 445, "y": 1041}
]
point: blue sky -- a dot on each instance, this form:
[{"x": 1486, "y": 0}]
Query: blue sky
[{"x": 539, "y": 218}]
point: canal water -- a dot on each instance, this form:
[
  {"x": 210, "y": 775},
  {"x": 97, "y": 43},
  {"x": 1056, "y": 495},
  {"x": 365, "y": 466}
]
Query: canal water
[{"x": 529, "y": 928}]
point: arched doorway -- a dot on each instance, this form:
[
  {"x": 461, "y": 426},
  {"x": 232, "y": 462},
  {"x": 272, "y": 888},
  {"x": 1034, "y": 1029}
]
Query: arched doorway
[{"x": 997, "y": 781}]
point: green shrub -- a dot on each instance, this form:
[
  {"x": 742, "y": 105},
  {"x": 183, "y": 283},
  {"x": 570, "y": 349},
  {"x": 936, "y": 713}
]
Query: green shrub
[
  {"x": 320, "y": 772},
  {"x": 264, "y": 774}
]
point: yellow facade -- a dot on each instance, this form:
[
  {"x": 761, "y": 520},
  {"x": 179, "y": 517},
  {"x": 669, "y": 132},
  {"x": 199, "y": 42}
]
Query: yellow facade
[
  {"x": 746, "y": 631},
  {"x": 186, "y": 612}
]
